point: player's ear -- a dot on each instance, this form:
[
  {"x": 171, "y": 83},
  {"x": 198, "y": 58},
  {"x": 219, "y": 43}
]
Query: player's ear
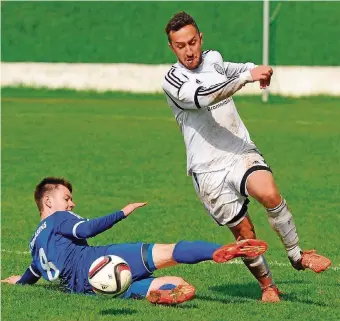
[
  {"x": 171, "y": 47},
  {"x": 201, "y": 37},
  {"x": 47, "y": 201}
]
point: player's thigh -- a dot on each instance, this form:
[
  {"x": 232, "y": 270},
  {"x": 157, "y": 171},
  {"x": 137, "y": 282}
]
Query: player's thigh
[
  {"x": 162, "y": 255},
  {"x": 137, "y": 255},
  {"x": 261, "y": 186},
  {"x": 245, "y": 167},
  {"x": 220, "y": 198},
  {"x": 251, "y": 176}
]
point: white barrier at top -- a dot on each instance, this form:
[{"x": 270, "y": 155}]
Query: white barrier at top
[{"x": 286, "y": 81}]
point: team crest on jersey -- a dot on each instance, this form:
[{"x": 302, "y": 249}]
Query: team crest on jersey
[{"x": 219, "y": 69}]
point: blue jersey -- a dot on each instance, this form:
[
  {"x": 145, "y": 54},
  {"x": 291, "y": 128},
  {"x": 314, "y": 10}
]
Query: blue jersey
[
  {"x": 60, "y": 251},
  {"x": 54, "y": 253},
  {"x": 59, "y": 247}
]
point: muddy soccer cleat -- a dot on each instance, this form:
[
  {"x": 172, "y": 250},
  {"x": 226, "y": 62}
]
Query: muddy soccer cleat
[
  {"x": 311, "y": 260},
  {"x": 271, "y": 294},
  {"x": 178, "y": 295},
  {"x": 243, "y": 248},
  {"x": 315, "y": 262}
]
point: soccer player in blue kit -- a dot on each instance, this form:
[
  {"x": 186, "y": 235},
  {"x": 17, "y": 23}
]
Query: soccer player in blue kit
[{"x": 60, "y": 250}]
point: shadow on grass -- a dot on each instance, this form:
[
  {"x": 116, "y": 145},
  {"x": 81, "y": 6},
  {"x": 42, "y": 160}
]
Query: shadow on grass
[
  {"x": 295, "y": 282},
  {"x": 226, "y": 294},
  {"x": 127, "y": 311},
  {"x": 298, "y": 297},
  {"x": 243, "y": 292},
  {"x": 118, "y": 311},
  {"x": 225, "y": 300},
  {"x": 183, "y": 306},
  {"x": 52, "y": 287},
  {"x": 247, "y": 293}
]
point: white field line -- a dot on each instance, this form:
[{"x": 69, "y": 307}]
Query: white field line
[
  {"x": 15, "y": 252},
  {"x": 236, "y": 262}
]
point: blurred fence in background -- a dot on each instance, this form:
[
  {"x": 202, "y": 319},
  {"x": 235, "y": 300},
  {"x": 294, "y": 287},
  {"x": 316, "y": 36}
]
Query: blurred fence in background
[{"x": 301, "y": 34}]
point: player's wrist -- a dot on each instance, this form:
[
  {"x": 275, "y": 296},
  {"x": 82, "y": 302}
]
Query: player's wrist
[
  {"x": 122, "y": 214},
  {"x": 246, "y": 76}
]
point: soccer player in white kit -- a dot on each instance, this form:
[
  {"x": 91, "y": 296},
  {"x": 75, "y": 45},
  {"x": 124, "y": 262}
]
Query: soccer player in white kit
[{"x": 224, "y": 162}]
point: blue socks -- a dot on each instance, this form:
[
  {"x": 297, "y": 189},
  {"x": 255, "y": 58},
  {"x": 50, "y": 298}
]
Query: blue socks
[
  {"x": 167, "y": 286},
  {"x": 194, "y": 252}
]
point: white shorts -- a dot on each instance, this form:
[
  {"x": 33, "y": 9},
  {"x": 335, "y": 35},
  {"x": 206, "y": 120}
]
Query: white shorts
[{"x": 224, "y": 193}]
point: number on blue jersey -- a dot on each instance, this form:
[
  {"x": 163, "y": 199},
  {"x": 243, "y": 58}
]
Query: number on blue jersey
[{"x": 48, "y": 266}]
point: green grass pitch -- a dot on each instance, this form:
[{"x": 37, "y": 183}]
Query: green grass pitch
[{"x": 119, "y": 148}]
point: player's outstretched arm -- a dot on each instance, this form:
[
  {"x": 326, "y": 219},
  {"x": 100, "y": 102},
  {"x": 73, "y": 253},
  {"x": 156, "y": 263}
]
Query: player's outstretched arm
[
  {"x": 233, "y": 69},
  {"x": 205, "y": 97},
  {"x": 188, "y": 94},
  {"x": 31, "y": 276},
  {"x": 83, "y": 229}
]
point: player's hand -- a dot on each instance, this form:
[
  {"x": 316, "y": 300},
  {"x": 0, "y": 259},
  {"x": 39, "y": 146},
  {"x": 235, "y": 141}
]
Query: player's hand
[
  {"x": 128, "y": 209},
  {"x": 12, "y": 279},
  {"x": 262, "y": 74},
  {"x": 264, "y": 83}
]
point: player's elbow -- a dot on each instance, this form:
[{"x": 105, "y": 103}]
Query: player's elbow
[
  {"x": 206, "y": 102},
  {"x": 85, "y": 234}
]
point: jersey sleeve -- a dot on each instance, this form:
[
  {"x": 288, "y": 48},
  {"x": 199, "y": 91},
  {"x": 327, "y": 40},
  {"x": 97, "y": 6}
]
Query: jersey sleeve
[
  {"x": 179, "y": 89},
  {"x": 233, "y": 69},
  {"x": 185, "y": 93},
  {"x": 67, "y": 222},
  {"x": 31, "y": 275},
  {"x": 80, "y": 228}
]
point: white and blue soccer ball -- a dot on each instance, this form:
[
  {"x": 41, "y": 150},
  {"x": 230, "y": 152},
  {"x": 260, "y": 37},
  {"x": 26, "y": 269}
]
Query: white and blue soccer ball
[{"x": 110, "y": 275}]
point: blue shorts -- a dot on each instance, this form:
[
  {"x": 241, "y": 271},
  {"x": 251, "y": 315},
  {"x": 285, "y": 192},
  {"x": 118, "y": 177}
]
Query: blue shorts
[
  {"x": 137, "y": 255},
  {"x": 139, "y": 258}
]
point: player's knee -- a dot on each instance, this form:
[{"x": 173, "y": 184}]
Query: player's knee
[
  {"x": 271, "y": 198},
  {"x": 244, "y": 231},
  {"x": 176, "y": 280},
  {"x": 247, "y": 233},
  {"x": 168, "y": 249},
  {"x": 180, "y": 281}
]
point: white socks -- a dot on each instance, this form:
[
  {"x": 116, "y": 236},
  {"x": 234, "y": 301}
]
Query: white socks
[
  {"x": 258, "y": 267},
  {"x": 281, "y": 220}
]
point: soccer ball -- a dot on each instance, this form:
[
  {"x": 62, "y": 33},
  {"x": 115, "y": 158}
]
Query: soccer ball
[{"x": 110, "y": 275}]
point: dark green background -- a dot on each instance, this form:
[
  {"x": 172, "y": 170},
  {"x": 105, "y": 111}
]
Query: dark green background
[{"x": 303, "y": 33}]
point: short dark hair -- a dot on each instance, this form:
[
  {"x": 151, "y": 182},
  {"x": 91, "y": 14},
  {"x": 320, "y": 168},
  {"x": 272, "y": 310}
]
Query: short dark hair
[
  {"x": 178, "y": 21},
  {"x": 48, "y": 184}
]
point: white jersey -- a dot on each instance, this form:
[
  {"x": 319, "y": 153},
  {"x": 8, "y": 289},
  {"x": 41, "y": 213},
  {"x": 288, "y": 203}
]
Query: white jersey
[{"x": 213, "y": 131}]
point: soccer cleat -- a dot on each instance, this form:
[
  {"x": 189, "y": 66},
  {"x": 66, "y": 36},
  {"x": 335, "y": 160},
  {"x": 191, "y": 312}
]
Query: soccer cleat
[
  {"x": 271, "y": 294},
  {"x": 315, "y": 262},
  {"x": 178, "y": 295},
  {"x": 311, "y": 260},
  {"x": 243, "y": 248}
]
